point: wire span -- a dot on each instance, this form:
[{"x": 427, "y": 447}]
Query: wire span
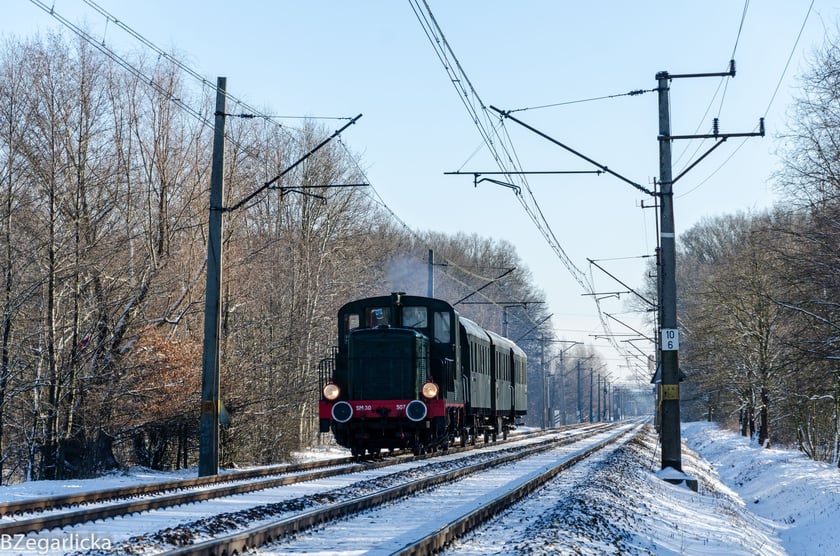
[
  {"x": 633, "y": 93},
  {"x": 501, "y": 148},
  {"x": 769, "y": 104}
]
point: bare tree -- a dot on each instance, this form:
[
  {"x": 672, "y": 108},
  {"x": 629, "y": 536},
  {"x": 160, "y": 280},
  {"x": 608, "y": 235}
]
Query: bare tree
[
  {"x": 104, "y": 185},
  {"x": 810, "y": 178},
  {"x": 735, "y": 329}
]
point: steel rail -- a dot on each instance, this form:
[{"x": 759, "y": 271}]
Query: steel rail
[
  {"x": 457, "y": 528},
  {"x": 310, "y": 471},
  {"x": 238, "y": 543},
  {"x": 18, "y": 507}
]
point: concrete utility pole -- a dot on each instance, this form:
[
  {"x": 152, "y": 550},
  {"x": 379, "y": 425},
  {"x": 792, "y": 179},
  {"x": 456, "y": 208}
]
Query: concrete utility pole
[
  {"x": 563, "y": 389},
  {"x": 431, "y": 273},
  {"x": 545, "y": 384},
  {"x": 208, "y": 453},
  {"x": 600, "y": 415},
  {"x": 670, "y": 393},
  {"x": 669, "y": 340},
  {"x": 579, "y": 397},
  {"x": 669, "y": 334},
  {"x": 552, "y": 383}
]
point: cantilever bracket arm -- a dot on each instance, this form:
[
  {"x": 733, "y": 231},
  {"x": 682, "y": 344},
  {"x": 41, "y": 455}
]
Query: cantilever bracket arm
[
  {"x": 270, "y": 183},
  {"x": 506, "y": 114},
  {"x": 283, "y": 190},
  {"x": 516, "y": 188},
  {"x": 720, "y": 139},
  {"x": 719, "y": 142}
]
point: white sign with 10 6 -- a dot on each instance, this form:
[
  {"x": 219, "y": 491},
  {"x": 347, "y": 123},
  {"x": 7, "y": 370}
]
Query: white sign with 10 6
[{"x": 669, "y": 339}]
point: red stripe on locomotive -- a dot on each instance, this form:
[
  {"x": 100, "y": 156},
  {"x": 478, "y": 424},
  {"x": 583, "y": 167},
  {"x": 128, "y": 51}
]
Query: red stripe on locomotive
[{"x": 390, "y": 409}]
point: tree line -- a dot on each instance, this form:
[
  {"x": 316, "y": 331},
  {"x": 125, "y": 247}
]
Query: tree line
[
  {"x": 104, "y": 196},
  {"x": 759, "y": 293}
]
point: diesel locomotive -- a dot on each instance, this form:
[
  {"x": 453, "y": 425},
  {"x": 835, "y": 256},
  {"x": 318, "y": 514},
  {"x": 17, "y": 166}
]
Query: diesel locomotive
[{"x": 410, "y": 373}]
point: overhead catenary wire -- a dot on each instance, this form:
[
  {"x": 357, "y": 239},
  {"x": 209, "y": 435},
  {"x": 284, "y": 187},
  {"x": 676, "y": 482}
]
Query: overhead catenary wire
[
  {"x": 499, "y": 145},
  {"x": 181, "y": 65},
  {"x": 378, "y": 199},
  {"x": 123, "y": 63},
  {"x": 634, "y": 92},
  {"x": 769, "y": 103},
  {"x": 251, "y": 111},
  {"x": 740, "y": 29},
  {"x": 723, "y": 83},
  {"x": 204, "y": 119},
  {"x": 790, "y": 57},
  {"x": 496, "y": 135},
  {"x": 734, "y": 50},
  {"x": 499, "y": 148}
]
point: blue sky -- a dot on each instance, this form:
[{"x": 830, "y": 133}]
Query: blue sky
[{"x": 334, "y": 58}]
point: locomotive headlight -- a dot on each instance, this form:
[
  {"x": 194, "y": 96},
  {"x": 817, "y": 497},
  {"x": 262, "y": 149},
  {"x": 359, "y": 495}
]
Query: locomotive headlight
[
  {"x": 331, "y": 391},
  {"x": 430, "y": 390}
]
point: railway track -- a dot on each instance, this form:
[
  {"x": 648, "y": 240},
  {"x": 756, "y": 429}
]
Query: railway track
[
  {"x": 44, "y": 514},
  {"x": 19, "y": 507},
  {"x": 27, "y": 516},
  {"x": 446, "y": 486}
]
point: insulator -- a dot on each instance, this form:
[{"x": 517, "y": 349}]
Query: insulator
[{"x": 715, "y": 126}]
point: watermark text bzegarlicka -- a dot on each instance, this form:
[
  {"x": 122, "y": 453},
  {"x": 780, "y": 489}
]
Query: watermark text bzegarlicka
[{"x": 72, "y": 542}]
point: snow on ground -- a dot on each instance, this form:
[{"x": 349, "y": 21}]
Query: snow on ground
[
  {"x": 797, "y": 497},
  {"x": 137, "y": 475},
  {"x": 750, "y": 500},
  {"x": 624, "y": 507},
  {"x": 114, "y": 479}
]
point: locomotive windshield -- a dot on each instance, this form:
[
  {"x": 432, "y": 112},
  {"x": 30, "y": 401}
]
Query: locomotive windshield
[
  {"x": 378, "y": 316},
  {"x": 415, "y": 317}
]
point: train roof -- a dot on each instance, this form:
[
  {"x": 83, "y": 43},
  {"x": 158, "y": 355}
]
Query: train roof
[
  {"x": 473, "y": 329},
  {"x": 505, "y": 343},
  {"x": 404, "y": 299}
]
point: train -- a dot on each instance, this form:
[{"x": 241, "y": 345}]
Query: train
[{"x": 409, "y": 372}]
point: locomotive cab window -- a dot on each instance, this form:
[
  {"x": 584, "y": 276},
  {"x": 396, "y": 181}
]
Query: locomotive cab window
[
  {"x": 415, "y": 317},
  {"x": 352, "y": 322},
  {"x": 378, "y": 316},
  {"x": 443, "y": 328}
]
